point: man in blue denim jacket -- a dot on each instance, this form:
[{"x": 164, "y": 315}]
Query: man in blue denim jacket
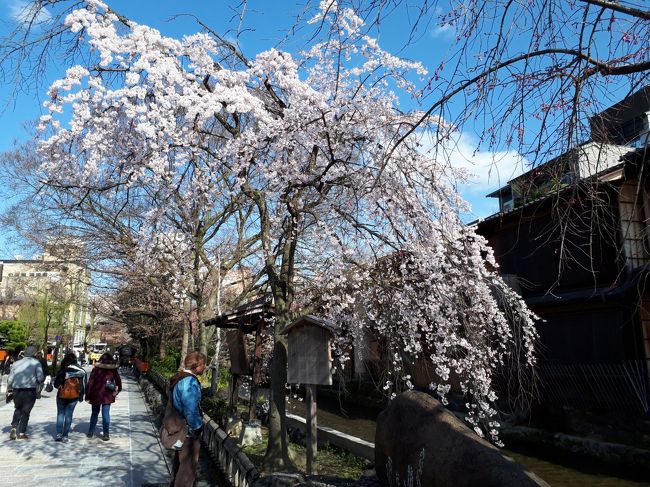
[
  {"x": 24, "y": 381},
  {"x": 186, "y": 399}
]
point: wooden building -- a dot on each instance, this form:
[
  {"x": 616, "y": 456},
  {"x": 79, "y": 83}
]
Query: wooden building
[{"x": 573, "y": 239}]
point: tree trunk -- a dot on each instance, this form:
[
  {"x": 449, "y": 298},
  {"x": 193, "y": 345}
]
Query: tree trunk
[
  {"x": 215, "y": 363},
  {"x": 203, "y": 338},
  {"x": 278, "y": 455},
  {"x": 255, "y": 379},
  {"x": 185, "y": 344},
  {"x": 47, "y": 330},
  {"x": 162, "y": 347}
]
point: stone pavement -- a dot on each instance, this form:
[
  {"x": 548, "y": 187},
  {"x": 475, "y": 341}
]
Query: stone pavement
[{"x": 132, "y": 457}]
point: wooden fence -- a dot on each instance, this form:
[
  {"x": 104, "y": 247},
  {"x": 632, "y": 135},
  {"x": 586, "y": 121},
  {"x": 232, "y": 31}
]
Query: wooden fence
[{"x": 614, "y": 386}]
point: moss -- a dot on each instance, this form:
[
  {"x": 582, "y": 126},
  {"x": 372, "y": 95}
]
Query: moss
[{"x": 330, "y": 461}]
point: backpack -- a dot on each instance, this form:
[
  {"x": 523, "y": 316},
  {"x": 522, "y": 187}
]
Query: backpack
[
  {"x": 71, "y": 388},
  {"x": 174, "y": 427},
  {"x": 173, "y": 431}
]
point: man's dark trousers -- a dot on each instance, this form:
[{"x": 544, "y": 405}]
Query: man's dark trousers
[{"x": 24, "y": 400}]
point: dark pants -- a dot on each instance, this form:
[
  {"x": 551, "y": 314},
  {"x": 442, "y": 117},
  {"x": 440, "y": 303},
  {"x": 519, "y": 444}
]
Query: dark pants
[
  {"x": 185, "y": 462},
  {"x": 24, "y": 400}
]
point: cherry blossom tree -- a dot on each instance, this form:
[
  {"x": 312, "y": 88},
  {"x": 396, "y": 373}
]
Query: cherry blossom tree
[{"x": 305, "y": 147}]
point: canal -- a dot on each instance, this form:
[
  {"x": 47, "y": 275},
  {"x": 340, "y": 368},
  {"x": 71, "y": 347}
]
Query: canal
[{"x": 556, "y": 469}]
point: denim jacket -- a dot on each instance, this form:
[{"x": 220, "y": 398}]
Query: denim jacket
[
  {"x": 25, "y": 374},
  {"x": 187, "y": 400}
]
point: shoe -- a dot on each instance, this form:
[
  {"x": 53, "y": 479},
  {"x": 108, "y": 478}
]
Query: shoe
[
  {"x": 65, "y": 439},
  {"x": 58, "y": 438},
  {"x": 105, "y": 437},
  {"x": 89, "y": 435},
  {"x": 12, "y": 435},
  {"x": 23, "y": 436}
]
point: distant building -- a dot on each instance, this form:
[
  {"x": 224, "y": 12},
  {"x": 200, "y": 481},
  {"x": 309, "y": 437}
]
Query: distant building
[
  {"x": 47, "y": 279},
  {"x": 573, "y": 238}
]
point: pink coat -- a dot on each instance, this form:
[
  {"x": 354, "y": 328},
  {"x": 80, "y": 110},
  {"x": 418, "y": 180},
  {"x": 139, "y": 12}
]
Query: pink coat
[{"x": 96, "y": 392}]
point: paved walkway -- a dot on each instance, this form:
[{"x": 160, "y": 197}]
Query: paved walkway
[{"x": 132, "y": 458}]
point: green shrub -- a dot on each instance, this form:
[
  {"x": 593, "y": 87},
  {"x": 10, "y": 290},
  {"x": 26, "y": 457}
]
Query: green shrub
[
  {"x": 167, "y": 366},
  {"x": 224, "y": 379},
  {"x": 215, "y": 407},
  {"x": 15, "y": 335}
]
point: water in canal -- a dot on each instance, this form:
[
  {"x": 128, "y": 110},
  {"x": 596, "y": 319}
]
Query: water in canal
[{"x": 558, "y": 472}]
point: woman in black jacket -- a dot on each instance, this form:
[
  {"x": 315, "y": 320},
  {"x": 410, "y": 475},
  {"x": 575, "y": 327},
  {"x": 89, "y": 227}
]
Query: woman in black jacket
[{"x": 70, "y": 380}]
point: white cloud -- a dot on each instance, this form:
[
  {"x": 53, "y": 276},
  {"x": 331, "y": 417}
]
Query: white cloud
[
  {"x": 487, "y": 171},
  {"x": 443, "y": 30},
  {"x": 22, "y": 11},
  {"x": 476, "y": 173}
]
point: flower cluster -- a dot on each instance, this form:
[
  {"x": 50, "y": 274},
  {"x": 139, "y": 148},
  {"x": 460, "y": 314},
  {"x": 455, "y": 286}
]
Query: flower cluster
[{"x": 309, "y": 141}]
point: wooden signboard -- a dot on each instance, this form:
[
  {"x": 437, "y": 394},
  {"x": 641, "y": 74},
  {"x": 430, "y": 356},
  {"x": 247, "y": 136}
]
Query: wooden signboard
[
  {"x": 239, "y": 363},
  {"x": 310, "y": 356},
  {"x": 309, "y": 362}
]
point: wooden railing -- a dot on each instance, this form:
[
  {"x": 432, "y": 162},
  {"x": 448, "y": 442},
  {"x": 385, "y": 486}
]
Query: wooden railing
[
  {"x": 236, "y": 466},
  {"x": 622, "y": 385}
]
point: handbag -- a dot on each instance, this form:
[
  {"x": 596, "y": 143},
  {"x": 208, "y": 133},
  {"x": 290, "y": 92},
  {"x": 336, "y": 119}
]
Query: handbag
[
  {"x": 110, "y": 385},
  {"x": 49, "y": 387}
]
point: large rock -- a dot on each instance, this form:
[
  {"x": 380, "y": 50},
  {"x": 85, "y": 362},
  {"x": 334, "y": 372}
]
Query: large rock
[{"x": 420, "y": 443}]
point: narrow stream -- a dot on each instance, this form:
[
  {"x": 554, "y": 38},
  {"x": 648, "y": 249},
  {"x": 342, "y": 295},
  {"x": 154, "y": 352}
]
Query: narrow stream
[{"x": 557, "y": 471}]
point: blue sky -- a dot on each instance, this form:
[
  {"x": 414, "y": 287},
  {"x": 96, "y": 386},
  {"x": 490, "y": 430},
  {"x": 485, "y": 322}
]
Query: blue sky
[{"x": 264, "y": 25}]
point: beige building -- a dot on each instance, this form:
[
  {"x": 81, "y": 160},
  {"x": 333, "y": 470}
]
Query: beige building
[{"x": 30, "y": 288}]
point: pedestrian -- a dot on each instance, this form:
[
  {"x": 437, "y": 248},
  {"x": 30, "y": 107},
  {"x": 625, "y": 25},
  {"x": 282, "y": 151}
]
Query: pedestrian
[
  {"x": 24, "y": 380},
  {"x": 46, "y": 372},
  {"x": 103, "y": 387},
  {"x": 4, "y": 355},
  {"x": 9, "y": 363},
  {"x": 70, "y": 381},
  {"x": 185, "y": 392}
]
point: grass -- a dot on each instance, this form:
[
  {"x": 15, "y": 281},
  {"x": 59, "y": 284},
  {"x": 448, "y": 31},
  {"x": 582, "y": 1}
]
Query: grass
[{"x": 329, "y": 460}]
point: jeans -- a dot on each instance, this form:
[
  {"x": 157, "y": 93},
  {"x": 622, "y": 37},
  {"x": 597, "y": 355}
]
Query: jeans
[
  {"x": 24, "y": 400},
  {"x": 64, "y": 410},
  {"x": 106, "y": 417}
]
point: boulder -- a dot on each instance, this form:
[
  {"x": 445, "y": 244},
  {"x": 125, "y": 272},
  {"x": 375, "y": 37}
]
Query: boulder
[
  {"x": 234, "y": 427},
  {"x": 251, "y": 434},
  {"x": 418, "y": 442}
]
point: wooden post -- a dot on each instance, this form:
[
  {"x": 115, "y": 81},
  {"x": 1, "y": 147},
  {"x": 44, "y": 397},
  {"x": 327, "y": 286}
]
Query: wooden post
[{"x": 312, "y": 440}]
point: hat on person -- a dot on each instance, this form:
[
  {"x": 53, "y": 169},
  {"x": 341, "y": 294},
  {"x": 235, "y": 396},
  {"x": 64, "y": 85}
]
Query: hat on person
[
  {"x": 30, "y": 351},
  {"x": 106, "y": 358}
]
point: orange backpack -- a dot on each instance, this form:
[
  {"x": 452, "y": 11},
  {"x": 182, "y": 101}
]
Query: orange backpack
[{"x": 71, "y": 388}]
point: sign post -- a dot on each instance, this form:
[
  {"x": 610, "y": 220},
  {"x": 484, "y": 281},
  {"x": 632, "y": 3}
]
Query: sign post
[{"x": 309, "y": 362}]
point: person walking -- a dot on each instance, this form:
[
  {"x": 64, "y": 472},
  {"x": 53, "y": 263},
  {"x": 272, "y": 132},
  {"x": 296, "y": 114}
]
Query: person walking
[
  {"x": 104, "y": 385},
  {"x": 185, "y": 394},
  {"x": 24, "y": 381},
  {"x": 70, "y": 381},
  {"x": 46, "y": 372}
]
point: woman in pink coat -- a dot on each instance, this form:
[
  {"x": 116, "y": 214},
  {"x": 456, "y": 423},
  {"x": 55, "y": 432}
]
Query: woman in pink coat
[{"x": 103, "y": 387}]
